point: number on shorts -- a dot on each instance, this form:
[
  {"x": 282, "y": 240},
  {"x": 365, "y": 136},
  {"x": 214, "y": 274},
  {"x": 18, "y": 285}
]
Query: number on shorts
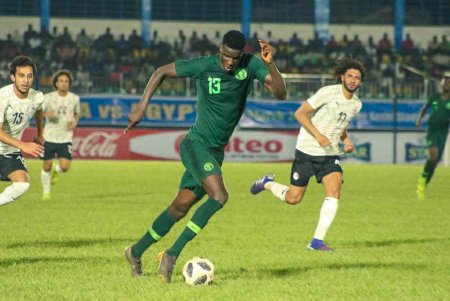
[{"x": 22, "y": 160}]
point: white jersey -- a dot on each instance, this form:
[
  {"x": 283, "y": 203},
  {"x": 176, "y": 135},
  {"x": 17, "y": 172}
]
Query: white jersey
[
  {"x": 56, "y": 129},
  {"x": 333, "y": 113},
  {"x": 16, "y": 113}
]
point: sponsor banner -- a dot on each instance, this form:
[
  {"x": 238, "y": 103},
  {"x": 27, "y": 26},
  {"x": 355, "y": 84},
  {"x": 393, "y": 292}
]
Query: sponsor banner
[
  {"x": 248, "y": 146},
  {"x": 153, "y": 144},
  {"x": 244, "y": 145},
  {"x": 269, "y": 114},
  {"x": 94, "y": 143},
  {"x": 114, "y": 111},
  {"x": 378, "y": 147}
]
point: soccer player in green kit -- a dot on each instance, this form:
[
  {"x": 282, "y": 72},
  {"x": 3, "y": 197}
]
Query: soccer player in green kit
[
  {"x": 437, "y": 131},
  {"x": 223, "y": 83}
]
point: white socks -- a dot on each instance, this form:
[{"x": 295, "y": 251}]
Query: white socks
[
  {"x": 46, "y": 178},
  {"x": 278, "y": 190},
  {"x": 13, "y": 192},
  {"x": 327, "y": 214},
  {"x": 58, "y": 169}
]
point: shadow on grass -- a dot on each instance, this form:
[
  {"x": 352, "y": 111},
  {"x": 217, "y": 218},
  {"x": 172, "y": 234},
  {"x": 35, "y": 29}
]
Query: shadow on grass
[
  {"x": 4, "y": 263},
  {"x": 68, "y": 243},
  {"x": 298, "y": 270},
  {"x": 393, "y": 242}
]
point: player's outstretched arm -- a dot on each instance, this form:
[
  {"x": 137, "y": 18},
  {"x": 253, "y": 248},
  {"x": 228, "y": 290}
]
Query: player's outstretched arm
[
  {"x": 31, "y": 148},
  {"x": 422, "y": 112},
  {"x": 303, "y": 117},
  {"x": 39, "y": 118},
  {"x": 274, "y": 82},
  {"x": 157, "y": 78},
  {"x": 348, "y": 143}
]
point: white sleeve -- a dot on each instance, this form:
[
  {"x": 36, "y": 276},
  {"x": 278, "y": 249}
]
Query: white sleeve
[
  {"x": 45, "y": 104},
  {"x": 318, "y": 99},
  {"x": 40, "y": 102},
  {"x": 77, "y": 105},
  {"x": 3, "y": 106}
]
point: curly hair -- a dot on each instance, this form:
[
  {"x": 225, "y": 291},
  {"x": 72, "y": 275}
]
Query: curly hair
[
  {"x": 346, "y": 63},
  {"x": 62, "y": 72}
]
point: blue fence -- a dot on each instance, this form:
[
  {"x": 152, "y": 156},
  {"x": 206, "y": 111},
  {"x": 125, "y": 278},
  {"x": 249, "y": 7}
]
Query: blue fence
[{"x": 113, "y": 111}]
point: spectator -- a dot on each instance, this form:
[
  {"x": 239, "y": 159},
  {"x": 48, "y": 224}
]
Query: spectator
[
  {"x": 407, "y": 45},
  {"x": 135, "y": 40}
]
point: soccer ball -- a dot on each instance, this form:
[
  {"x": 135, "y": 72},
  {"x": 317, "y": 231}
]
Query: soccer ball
[{"x": 198, "y": 271}]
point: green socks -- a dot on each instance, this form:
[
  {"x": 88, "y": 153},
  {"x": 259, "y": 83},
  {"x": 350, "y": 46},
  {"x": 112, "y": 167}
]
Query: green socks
[
  {"x": 161, "y": 226},
  {"x": 428, "y": 170},
  {"x": 198, "y": 222}
]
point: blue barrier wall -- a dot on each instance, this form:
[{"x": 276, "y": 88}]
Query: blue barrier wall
[{"x": 113, "y": 111}]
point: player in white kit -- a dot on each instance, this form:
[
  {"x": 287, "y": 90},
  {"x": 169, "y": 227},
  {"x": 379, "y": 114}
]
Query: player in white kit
[
  {"x": 324, "y": 118},
  {"x": 18, "y": 104},
  {"x": 62, "y": 111}
]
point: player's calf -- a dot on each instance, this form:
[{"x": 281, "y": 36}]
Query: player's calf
[{"x": 13, "y": 192}]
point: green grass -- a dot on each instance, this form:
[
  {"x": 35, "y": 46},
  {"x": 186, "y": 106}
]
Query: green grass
[{"x": 388, "y": 244}]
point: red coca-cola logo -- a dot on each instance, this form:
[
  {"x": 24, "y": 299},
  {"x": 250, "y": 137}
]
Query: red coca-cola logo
[{"x": 96, "y": 144}]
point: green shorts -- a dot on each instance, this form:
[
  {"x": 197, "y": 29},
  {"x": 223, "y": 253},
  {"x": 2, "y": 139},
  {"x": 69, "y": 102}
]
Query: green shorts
[
  {"x": 437, "y": 138},
  {"x": 200, "y": 162}
]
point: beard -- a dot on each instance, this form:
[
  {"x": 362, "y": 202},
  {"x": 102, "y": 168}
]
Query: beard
[
  {"x": 348, "y": 89},
  {"x": 21, "y": 90}
]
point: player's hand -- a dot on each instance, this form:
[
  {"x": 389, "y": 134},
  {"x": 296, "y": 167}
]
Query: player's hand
[
  {"x": 419, "y": 123},
  {"x": 52, "y": 116},
  {"x": 348, "y": 147},
  {"x": 134, "y": 118},
  {"x": 266, "y": 51},
  {"x": 71, "y": 125},
  {"x": 39, "y": 140},
  {"x": 32, "y": 148},
  {"x": 323, "y": 140}
]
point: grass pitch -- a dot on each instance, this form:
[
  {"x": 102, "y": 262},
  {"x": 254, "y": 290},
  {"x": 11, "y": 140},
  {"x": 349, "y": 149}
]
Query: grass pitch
[{"x": 388, "y": 244}]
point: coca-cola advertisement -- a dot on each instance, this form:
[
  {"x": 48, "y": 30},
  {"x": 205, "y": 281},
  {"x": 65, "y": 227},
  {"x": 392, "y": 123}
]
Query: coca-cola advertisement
[
  {"x": 156, "y": 144},
  {"x": 102, "y": 144}
]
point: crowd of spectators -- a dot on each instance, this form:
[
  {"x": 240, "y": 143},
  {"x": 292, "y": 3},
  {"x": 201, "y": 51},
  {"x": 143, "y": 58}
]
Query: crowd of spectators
[{"x": 129, "y": 60}]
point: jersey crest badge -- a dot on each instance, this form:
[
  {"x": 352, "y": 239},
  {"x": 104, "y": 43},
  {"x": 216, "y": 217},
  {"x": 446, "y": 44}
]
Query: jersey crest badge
[
  {"x": 208, "y": 166},
  {"x": 241, "y": 74}
]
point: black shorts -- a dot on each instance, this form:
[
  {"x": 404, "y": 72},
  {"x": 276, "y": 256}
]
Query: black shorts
[
  {"x": 57, "y": 150},
  {"x": 306, "y": 166},
  {"x": 10, "y": 163}
]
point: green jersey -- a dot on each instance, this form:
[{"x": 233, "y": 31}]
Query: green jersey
[
  {"x": 221, "y": 96},
  {"x": 440, "y": 112}
]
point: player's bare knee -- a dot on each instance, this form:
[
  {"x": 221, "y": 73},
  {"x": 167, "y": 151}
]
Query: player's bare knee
[
  {"x": 293, "y": 199},
  {"x": 221, "y": 197},
  {"x": 178, "y": 211}
]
